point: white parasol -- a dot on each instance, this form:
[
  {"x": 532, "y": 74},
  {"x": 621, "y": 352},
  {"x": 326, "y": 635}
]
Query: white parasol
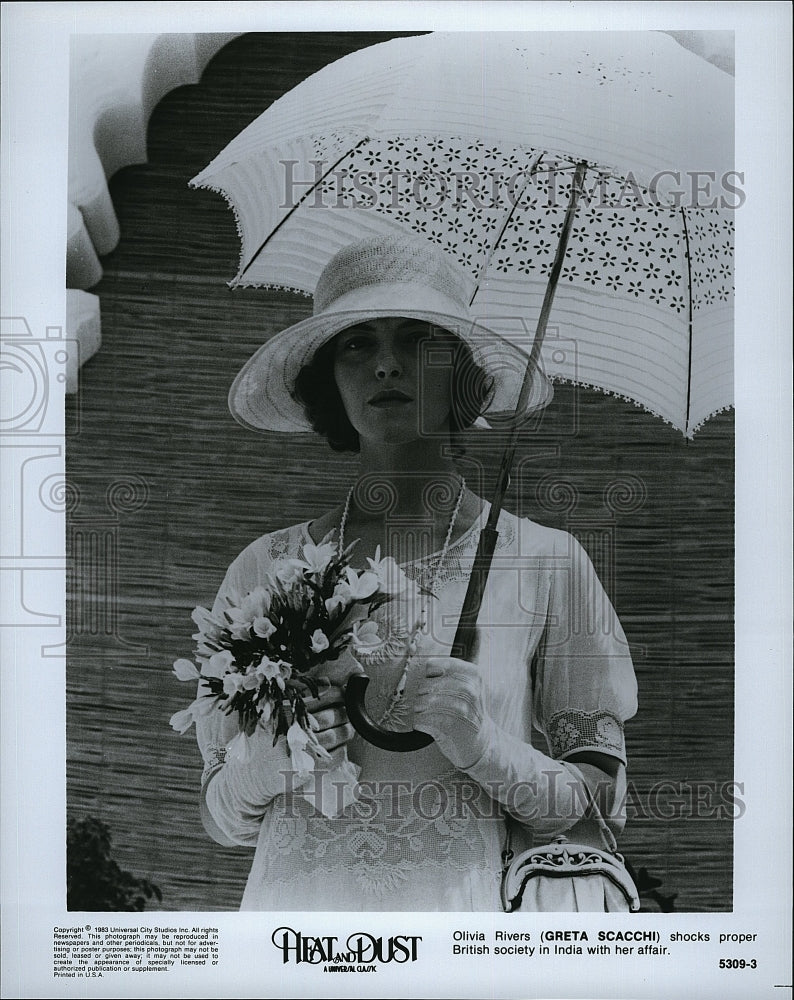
[{"x": 471, "y": 140}]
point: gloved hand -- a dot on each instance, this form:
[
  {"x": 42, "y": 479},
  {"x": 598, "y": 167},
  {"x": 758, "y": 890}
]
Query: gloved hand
[
  {"x": 546, "y": 794},
  {"x": 449, "y": 707},
  {"x": 237, "y": 796}
]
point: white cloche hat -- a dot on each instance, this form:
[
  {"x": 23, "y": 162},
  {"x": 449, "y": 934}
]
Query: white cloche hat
[{"x": 382, "y": 276}]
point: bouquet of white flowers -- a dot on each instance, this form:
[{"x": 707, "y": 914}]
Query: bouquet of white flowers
[{"x": 263, "y": 653}]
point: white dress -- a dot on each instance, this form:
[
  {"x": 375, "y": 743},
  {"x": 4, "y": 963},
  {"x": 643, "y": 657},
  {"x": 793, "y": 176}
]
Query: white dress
[{"x": 424, "y": 835}]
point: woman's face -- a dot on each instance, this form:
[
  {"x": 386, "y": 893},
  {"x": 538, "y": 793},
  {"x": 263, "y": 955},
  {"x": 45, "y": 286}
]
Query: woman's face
[{"x": 394, "y": 377}]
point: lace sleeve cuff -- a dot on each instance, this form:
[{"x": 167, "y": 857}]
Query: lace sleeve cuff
[
  {"x": 570, "y": 731},
  {"x": 214, "y": 757}
]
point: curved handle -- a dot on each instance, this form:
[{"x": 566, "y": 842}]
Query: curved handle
[{"x": 365, "y": 725}]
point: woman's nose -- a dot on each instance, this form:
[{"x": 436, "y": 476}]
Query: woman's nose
[{"x": 387, "y": 366}]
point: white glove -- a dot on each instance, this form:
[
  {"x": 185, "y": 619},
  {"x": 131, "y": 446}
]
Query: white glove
[
  {"x": 545, "y": 794},
  {"x": 449, "y": 707}
]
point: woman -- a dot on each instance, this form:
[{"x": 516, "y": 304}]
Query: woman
[{"x": 392, "y": 365}]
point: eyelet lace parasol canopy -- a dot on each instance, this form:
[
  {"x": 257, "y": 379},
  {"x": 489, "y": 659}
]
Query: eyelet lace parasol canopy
[{"x": 470, "y": 140}]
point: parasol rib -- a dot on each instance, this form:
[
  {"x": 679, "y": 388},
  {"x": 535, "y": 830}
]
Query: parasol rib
[
  {"x": 689, "y": 322},
  {"x": 532, "y": 171},
  {"x": 300, "y": 201}
]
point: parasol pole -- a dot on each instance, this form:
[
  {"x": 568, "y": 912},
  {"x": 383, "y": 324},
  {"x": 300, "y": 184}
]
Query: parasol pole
[
  {"x": 463, "y": 645},
  {"x": 466, "y": 634}
]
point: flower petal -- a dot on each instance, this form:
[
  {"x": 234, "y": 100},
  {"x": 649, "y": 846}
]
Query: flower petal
[
  {"x": 255, "y": 604},
  {"x": 185, "y": 670},
  {"x": 319, "y": 641},
  {"x": 218, "y": 664},
  {"x": 232, "y": 683},
  {"x": 182, "y": 721},
  {"x": 361, "y": 586},
  {"x": 332, "y": 604},
  {"x": 391, "y": 578},
  {"x": 263, "y": 627},
  {"x": 289, "y": 572},
  {"x": 297, "y": 739},
  {"x": 365, "y": 636},
  {"x": 205, "y": 620},
  {"x": 317, "y": 558}
]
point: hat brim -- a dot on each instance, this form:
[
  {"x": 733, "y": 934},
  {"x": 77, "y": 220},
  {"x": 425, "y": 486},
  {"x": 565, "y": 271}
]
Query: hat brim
[{"x": 261, "y": 397}]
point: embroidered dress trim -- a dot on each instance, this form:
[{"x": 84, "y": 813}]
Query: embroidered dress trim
[
  {"x": 385, "y": 839},
  {"x": 571, "y": 730},
  {"x": 457, "y": 565},
  {"x": 213, "y": 759}
]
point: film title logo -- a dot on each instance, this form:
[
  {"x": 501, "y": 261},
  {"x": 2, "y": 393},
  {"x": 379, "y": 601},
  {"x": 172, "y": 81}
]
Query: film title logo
[{"x": 359, "y": 948}]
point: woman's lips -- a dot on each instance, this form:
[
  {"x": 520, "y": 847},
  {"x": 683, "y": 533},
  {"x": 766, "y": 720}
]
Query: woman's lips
[{"x": 388, "y": 398}]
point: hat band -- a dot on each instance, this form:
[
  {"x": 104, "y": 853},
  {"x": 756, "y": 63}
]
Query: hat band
[{"x": 391, "y": 298}]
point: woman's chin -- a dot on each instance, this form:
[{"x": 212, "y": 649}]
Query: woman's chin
[{"x": 391, "y": 427}]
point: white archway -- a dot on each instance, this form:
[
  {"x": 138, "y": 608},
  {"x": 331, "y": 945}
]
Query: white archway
[{"x": 116, "y": 82}]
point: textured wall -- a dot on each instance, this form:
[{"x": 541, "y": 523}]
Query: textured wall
[{"x": 167, "y": 489}]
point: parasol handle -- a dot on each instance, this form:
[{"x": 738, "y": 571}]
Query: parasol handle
[{"x": 365, "y": 725}]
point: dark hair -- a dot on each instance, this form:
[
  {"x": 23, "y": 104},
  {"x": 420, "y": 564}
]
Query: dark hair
[{"x": 316, "y": 390}]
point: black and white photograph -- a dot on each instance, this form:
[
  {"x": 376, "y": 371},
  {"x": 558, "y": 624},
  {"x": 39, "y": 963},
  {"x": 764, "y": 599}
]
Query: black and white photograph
[{"x": 406, "y": 437}]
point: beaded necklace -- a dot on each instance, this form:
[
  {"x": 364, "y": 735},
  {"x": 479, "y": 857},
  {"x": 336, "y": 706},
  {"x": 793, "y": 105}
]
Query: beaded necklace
[{"x": 420, "y": 626}]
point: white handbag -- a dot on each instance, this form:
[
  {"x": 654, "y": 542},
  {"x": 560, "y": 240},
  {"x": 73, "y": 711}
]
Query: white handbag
[{"x": 565, "y": 859}]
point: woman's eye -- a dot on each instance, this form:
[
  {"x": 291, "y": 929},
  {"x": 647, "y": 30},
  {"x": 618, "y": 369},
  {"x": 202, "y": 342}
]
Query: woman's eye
[{"x": 353, "y": 344}]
